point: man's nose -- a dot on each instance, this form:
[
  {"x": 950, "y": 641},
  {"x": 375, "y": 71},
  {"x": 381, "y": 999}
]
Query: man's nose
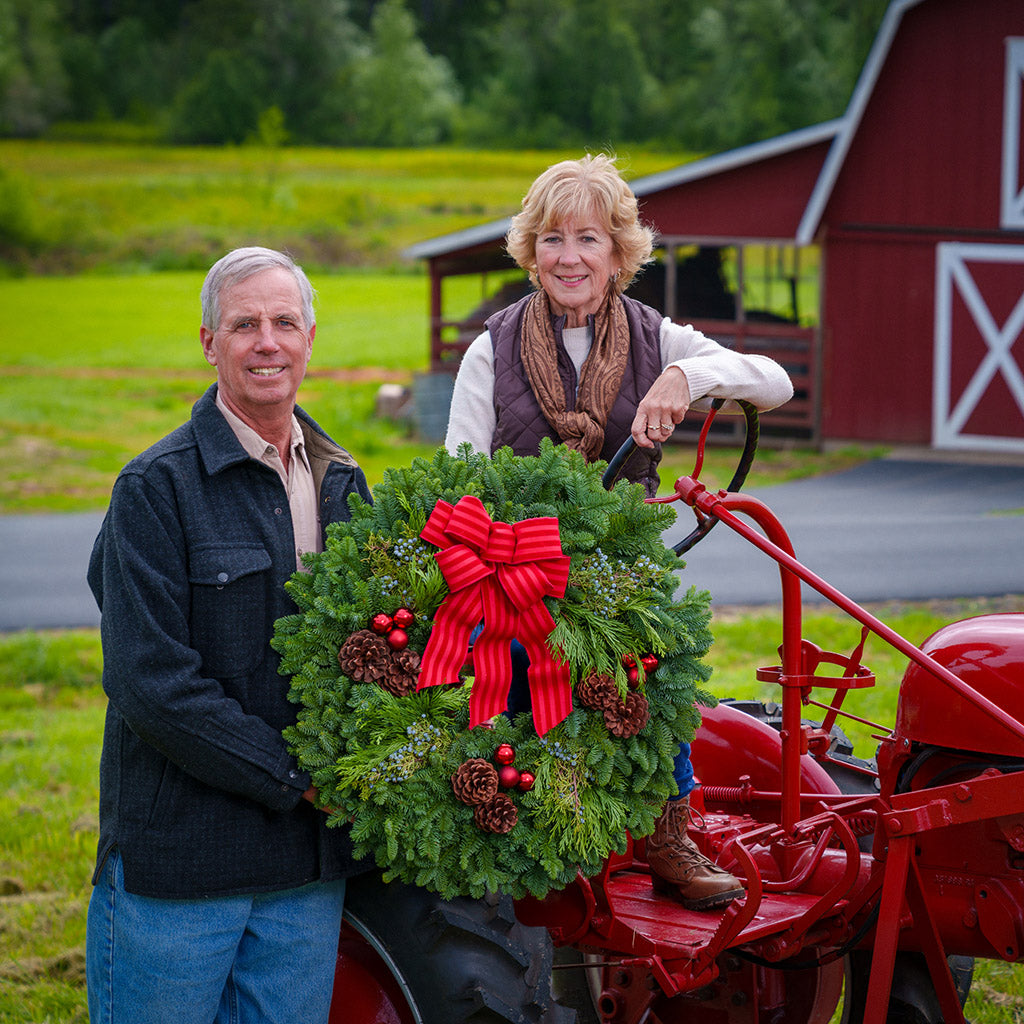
[{"x": 265, "y": 337}]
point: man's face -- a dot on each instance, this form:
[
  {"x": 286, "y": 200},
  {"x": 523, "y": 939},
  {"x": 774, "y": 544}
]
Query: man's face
[{"x": 261, "y": 346}]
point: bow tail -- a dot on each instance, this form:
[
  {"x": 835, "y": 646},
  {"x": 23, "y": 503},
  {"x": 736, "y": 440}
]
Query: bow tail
[
  {"x": 492, "y": 660},
  {"x": 549, "y": 678},
  {"x": 448, "y": 645}
]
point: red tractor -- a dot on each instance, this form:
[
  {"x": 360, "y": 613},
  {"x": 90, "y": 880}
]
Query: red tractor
[{"x": 871, "y": 885}]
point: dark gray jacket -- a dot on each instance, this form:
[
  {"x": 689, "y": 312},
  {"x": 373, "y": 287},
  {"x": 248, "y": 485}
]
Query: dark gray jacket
[{"x": 197, "y": 789}]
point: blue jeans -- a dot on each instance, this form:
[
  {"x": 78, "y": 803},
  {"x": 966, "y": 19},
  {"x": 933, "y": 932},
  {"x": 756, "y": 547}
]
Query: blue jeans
[
  {"x": 266, "y": 957},
  {"x": 519, "y": 700}
]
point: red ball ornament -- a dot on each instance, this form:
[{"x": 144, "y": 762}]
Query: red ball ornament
[
  {"x": 650, "y": 663},
  {"x": 526, "y": 780},
  {"x": 398, "y": 639},
  {"x": 628, "y": 661},
  {"x": 633, "y": 677},
  {"x": 508, "y": 777},
  {"x": 380, "y": 623},
  {"x": 504, "y": 754},
  {"x": 403, "y": 618}
]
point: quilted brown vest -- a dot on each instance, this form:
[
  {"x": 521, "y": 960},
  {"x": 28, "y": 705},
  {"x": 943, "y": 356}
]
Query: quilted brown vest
[{"x": 520, "y": 422}]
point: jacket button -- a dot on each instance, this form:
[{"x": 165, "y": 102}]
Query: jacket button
[
  {"x": 278, "y": 511},
  {"x": 222, "y": 577}
]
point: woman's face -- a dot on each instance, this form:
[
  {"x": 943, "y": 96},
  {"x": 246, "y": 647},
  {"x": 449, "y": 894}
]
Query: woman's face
[{"x": 575, "y": 262}]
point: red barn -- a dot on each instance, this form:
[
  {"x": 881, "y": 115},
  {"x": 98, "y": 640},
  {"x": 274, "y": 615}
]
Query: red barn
[{"x": 879, "y": 256}]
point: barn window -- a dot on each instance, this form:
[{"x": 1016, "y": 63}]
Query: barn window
[{"x": 1013, "y": 137}]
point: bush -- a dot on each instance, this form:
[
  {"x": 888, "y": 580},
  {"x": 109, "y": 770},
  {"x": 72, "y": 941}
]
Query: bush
[{"x": 220, "y": 103}]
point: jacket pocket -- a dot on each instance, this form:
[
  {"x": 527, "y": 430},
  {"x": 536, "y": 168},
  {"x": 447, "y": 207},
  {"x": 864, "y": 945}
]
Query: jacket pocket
[{"x": 229, "y": 607}]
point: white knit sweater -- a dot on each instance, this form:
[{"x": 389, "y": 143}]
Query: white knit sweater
[{"x": 711, "y": 369}]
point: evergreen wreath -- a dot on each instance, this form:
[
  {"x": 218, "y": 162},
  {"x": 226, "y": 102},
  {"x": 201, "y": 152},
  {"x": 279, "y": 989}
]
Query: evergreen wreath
[{"x": 497, "y": 807}]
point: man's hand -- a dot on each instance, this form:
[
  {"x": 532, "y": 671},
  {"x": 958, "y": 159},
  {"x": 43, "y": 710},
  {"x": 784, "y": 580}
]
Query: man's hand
[{"x": 313, "y": 797}]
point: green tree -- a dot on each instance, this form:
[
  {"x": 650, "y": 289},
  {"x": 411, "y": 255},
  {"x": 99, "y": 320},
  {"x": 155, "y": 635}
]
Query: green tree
[
  {"x": 32, "y": 84},
  {"x": 137, "y": 73},
  {"x": 575, "y": 73},
  {"x": 306, "y": 49},
  {"x": 401, "y": 95},
  {"x": 219, "y": 104}
]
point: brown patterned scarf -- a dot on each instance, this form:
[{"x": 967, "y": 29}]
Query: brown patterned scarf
[{"x": 600, "y": 376}]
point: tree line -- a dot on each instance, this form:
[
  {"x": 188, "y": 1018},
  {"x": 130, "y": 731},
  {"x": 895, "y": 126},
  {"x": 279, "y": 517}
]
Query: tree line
[{"x": 702, "y": 75}]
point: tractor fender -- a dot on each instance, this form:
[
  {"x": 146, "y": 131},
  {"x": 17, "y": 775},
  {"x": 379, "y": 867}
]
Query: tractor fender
[{"x": 730, "y": 744}]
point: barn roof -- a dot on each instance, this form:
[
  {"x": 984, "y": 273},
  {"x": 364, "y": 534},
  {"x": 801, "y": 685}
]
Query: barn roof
[
  {"x": 736, "y": 159},
  {"x": 850, "y": 121},
  {"x": 837, "y": 134}
]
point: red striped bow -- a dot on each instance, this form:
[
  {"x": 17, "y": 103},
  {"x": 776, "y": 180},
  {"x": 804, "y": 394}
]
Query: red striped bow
[{"x": 497, "y": 573}]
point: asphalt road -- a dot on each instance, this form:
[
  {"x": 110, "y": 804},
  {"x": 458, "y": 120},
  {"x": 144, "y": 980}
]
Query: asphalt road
[{"x": 892, "y": 529}]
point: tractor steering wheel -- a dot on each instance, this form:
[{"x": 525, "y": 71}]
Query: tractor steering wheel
[{"x": 704, "y": 524}]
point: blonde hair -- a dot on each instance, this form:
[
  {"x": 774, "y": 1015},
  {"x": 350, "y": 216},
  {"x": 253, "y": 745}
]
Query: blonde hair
[{"x": 572, "y": 190}]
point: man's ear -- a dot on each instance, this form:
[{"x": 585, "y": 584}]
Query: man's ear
[
  {"x": 206, "y": 337},
  {"x": 309, "y": 343}
]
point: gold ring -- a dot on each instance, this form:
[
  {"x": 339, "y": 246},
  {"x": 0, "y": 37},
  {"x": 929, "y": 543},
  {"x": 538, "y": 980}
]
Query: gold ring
[{"x": 667, "y": 426}]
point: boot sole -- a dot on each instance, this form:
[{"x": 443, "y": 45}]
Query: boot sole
[{"x": 712, "y": 902}]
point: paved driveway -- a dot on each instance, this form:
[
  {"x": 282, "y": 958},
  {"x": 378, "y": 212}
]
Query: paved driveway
[
  {"x": 894, "y": 528},
  {"x": 889, "y": 529}
]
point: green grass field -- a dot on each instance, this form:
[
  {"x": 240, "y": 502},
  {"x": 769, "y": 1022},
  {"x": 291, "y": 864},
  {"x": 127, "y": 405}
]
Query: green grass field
[
  {"x": 97, "y": 366},
  {"x": 51, "y": 719},
  {"x": 112, "y": 207}
]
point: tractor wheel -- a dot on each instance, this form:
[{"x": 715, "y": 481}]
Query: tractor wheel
[
  {"x": 912, "y": 1000},
  {"x": 406, "y": 956}
]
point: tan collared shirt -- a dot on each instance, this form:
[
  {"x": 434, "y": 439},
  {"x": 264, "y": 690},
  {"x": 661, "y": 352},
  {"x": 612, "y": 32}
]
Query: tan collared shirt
[{"x": 297, "y": 479}]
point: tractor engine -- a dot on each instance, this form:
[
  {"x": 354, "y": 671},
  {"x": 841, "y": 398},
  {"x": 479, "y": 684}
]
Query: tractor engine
[{"x": 953, "y": 773}]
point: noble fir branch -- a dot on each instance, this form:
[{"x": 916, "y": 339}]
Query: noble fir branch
[{"x": 385, "y": 763}]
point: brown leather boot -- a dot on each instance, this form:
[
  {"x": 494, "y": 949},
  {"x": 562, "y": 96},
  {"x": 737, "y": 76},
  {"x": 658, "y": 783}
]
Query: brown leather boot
[{"x": 679, "y": 868}]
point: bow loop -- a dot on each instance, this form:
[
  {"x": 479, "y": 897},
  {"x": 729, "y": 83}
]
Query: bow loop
[{"x": 498, "y": 573}]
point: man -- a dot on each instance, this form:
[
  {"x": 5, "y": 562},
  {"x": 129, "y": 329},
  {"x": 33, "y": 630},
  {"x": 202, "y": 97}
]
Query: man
[{"x": 218, "y": 890}]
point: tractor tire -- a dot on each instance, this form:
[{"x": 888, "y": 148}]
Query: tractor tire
[
  {"x": 912, "y": 999},
  {"x": 407, "y": 956}
]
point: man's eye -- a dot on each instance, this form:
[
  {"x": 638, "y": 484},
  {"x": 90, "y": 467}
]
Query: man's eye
[{"x": 283, "y": 321}]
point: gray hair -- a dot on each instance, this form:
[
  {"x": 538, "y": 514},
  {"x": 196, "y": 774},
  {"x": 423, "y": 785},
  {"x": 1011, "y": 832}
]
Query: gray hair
[{"x": 240, "y": 264}]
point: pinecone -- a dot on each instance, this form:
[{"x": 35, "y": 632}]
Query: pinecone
[
  {"x": 401, "y": 671},
  {"x": 498, "y": 815},
  {"x": 628, "y": 717},
  {"x": 475, "y": 781},
  {"x": 364, "y": 656},
  {"x": 597, "y": 692}
]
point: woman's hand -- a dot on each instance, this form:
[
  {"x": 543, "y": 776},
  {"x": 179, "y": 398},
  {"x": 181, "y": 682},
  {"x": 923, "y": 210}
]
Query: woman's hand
[{"x": 661, "y": 408}]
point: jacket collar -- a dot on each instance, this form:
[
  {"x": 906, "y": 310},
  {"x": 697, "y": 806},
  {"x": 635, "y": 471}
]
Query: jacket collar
[{"x": 220, "y": 449}]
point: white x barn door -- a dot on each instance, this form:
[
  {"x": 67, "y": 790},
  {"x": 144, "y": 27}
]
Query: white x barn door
[{"x": 978, "y": 398}]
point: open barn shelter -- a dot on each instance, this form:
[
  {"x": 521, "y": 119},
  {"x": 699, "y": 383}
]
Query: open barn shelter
[{"x": 879, "y": 256}]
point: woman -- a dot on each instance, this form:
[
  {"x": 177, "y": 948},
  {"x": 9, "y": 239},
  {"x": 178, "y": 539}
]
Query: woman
[{"x": 580, "y": 362}]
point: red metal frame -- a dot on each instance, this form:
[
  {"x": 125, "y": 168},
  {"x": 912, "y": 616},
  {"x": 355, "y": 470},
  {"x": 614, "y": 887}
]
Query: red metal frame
[
  {"x": 930, "y": 860},
  {"x": 812, "y": 893}
]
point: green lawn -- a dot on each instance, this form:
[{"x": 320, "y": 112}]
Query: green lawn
[
  {"x": 96, "y": 367},
  {"x": 157, "y": 207},
  {"x": 51, "y": 716}
]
